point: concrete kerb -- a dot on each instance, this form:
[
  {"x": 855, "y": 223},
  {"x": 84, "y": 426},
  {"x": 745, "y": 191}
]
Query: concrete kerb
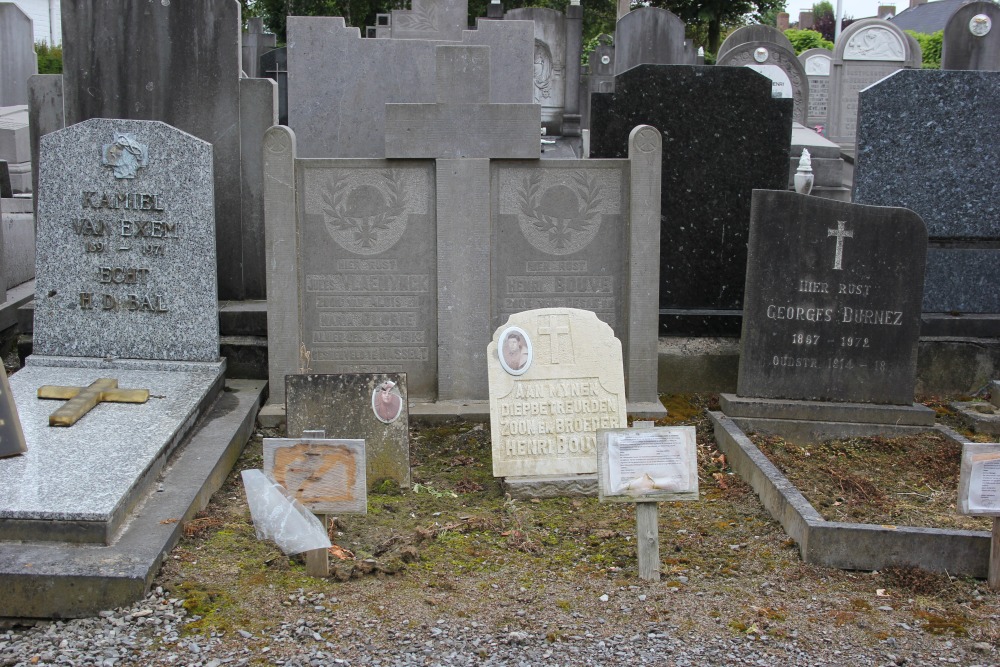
[
  {"x": 46, "y": 580},
  {"x": 850, "y": 546}
]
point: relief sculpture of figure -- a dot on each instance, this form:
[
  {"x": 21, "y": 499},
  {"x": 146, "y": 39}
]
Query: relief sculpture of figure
[{"x": 125, "y": 155}]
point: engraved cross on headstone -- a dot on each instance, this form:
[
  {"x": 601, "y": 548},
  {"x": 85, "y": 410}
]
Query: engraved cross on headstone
[
  {"x": 841, "y": 234},
  {"x": 557, "y": 325},
  {"x": 82, "y": 400}
]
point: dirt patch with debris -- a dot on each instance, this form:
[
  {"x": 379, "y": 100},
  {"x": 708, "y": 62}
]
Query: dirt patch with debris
[{"x": 905, "y": 481}]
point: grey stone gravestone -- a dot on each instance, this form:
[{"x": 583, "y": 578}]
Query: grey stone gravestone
[
  {"x": 600, "y": 76},
  {"x": 274, "y": 65},
  {"x": 255, "y": 43},
  {"x": 195, "y": 85},
  {"x": 753, "y": 33},
  {"x": 650, "y": 36},
  {"x": 17, "y": 54},
  {"x": 817, "y": 64},
  {"x": 11, "y": 435},
  {"x": 442, "y": 20},
  {"x": 780, "y": 65},
  {"x": 954, "y": 195},
  {"x": 972, "y": 38},
  {"x": 831, "y": 319},
  {"x": 556, "y": 62},
  {"x": 136, "y": 243},
  {"x": 125, "y": 290},
  {"x": 344, "y": 114},
  {"x": 709, "y": 172},
  {"x": 868, "y": 50},
  {"x": 15, "y": 146},
  {"x": 368, "y": 406}
]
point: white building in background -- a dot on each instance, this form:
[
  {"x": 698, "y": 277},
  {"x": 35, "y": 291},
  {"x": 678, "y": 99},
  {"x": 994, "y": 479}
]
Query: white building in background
[{"x": 44, "y": 16}]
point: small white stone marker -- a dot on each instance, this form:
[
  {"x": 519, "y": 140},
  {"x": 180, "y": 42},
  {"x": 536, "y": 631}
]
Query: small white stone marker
[
  {"x": 979, "y": 495},
  {"x": 645, "y": 465}
]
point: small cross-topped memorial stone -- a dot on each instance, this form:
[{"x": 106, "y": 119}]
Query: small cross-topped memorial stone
[{"x": 82, "y": 400}]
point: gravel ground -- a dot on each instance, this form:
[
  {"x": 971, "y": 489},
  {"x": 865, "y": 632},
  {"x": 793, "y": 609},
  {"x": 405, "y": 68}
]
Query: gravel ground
[{"x": 324, "y": 632}]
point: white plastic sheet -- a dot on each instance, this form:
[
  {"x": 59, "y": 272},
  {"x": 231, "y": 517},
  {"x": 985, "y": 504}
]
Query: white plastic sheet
[{"x": 279, "y": 517}]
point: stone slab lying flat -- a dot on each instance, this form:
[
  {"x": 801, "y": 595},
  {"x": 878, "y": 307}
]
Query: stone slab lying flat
[
  {"x": 52, "y": 580},
  {"x": 981, "y": 417},
  {"x": 867, "y": 413},
  {"x": 78, "y": 484},
  {"x": 850, "y": 546},
  {"x": 804, "y": 431}
]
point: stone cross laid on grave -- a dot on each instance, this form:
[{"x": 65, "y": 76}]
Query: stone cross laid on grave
[{"x": 82, "y": 400}]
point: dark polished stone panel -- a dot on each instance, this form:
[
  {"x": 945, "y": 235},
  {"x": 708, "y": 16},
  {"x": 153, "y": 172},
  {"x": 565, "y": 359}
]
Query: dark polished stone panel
[
  {"x": 832, "y": 300},
  {"x": 711, "y": 164}
]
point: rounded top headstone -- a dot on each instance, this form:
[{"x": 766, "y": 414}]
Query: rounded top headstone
[
  {"x": 874, "y": 39},
  {"x": 754, "y": 33}
]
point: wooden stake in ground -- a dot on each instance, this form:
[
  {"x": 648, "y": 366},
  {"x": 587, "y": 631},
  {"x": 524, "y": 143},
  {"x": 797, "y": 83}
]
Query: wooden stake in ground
[
  {"x": 318, "y": 560},
  {"x": 645, "y": 465}
]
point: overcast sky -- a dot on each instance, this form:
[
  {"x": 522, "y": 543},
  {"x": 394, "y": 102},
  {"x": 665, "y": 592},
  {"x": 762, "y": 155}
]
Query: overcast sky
[{"x": 858, "y": 9}]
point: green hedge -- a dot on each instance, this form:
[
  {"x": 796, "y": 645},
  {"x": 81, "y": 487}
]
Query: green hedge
[
  {"x": 803, "y": 40},
  {"x": 49, "y": 58},
  {"x": 930, "y": 47}
]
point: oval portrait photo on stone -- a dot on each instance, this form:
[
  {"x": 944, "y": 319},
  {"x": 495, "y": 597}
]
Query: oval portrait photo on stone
[
  {"x": 515, "y": 350},
  {"x": 387, "y": 402}
]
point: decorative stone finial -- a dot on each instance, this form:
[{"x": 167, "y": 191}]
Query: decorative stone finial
[{"x": 804, "y": 174}]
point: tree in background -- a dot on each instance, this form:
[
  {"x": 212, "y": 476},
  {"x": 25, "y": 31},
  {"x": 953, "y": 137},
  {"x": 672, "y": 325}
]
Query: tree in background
[
  {"x": 770, "y": 17},
  {"x": 717, "y": 16},
  {"x": 803, "y": 40},
  {"x": 50, "y": 58},
  {"x": 824, "y": 20}
]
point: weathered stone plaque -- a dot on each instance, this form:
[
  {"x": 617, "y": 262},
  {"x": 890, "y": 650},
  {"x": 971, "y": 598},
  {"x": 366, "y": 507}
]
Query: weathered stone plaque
[
  {"x": 557, "y": 238},
  {"x": 125, "y": 255},
  {"x": 868, "y": 50},
  {"x": 832, "y": 304},
  {"x": 544, "y": 420},
  {"x": 11, "y": 435},
  {"x": 979, "y": 479},
  {"x": 326, "y": 475},
  {"x": 367, "y": 406},
  {"x": 648, "y": 464},
  {"x": 817, "y": 64}
]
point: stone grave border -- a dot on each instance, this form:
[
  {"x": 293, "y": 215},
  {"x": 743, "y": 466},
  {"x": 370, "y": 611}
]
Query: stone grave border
[
  {"x": 46, "y": 580},
  {"x": 850, "y": 546},
  {"x": 982, "y": 422}
]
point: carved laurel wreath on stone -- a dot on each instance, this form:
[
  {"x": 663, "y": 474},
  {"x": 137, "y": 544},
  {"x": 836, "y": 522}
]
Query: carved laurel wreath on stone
[
  {"x": 422, "y": 19},
  {"x": 342, "y": 213},
  {"x": 561, "y": 226}
]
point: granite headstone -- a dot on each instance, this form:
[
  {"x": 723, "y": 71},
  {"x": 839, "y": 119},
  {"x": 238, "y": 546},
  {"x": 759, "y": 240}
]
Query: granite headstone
[
  {"x": 650, "y": 36},
  {"x": 126, "y": 244},
  {"x": 953, "y": 193},
  {"x": 777, "y": 63},
  {"x": 600, "y": 76},
  {"x": 555, "y": 379},
  {"x": 817, "y": 64},
  {"x": 255, "y": 43},
  {"x": 709, "y": 172},
  {"x": 972, "y": 38},
  {"x": 868, "y": 50},
  {"x": 17, "y": 54},
  {"x": 832, "y": 308},
  {"x": 15, "y": 146},
  {"x": 368, "y": 406},
  {"x": 442, "y": 20}
]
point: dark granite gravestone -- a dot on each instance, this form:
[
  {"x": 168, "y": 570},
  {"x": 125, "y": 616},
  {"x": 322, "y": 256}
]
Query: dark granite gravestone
[
  {"x": 116, "y": 64},
  {"x": 5, "y": 189},
  {"x": 754, "y": 33},
  {"x": 832, "y": 306},
  {"x": 711, "y": 165},
  {"x": 972, "y": 38},
  {"x": 367, "y": 406},
  {"x": 650, "y": 36},
  {"x": 17, "y": 55},
  {"x": 274, "y": 65},
  {"x": 933, "y": 163},
  {"x": 817, "y": 64},
  {"x": 780, "y": 65}
]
